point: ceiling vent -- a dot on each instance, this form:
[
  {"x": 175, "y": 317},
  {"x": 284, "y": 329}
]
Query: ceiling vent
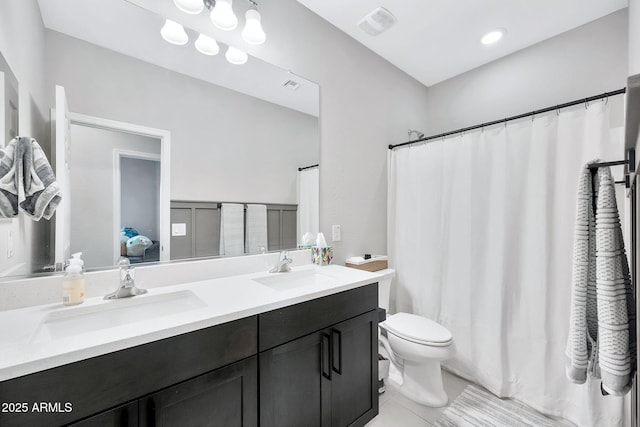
[
  {"x": 291, "y": 85},
  {"x": 377, "y": 22}
]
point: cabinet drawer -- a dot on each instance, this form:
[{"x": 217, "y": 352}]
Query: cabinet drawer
[
  {"x": 112, "y": 379},
  {"x": 225, "y": 397},
  {"x": 283, "y": 325}
]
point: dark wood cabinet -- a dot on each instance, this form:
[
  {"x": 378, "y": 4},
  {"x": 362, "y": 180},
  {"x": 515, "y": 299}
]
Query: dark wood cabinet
[
  {"x": 325, "y": 378},
  {"x": 354, "y": 379},
  {"x": 226, "y": 397},
  {"x": 292, "y": 391},
  {"x": 122, "y": 416},
  {"x": 308, "y": 364},
  {"x": 95, "y": 385}
]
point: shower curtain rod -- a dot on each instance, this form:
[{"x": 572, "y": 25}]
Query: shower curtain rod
[
  {"x": 508, "y": 119},
  {"x": 308, "y": 167}
]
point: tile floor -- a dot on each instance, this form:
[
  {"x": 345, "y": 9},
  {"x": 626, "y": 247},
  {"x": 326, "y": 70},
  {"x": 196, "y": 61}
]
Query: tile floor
[{"x": 398, "y": 411}]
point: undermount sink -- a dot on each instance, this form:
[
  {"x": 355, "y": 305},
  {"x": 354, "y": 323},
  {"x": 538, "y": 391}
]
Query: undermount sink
[
  {"x": 294, "y": 279},
  {"x": 79, "y": 320}
]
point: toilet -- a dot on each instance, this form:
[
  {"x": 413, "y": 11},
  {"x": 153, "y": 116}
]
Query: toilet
[{"x": 416, "y": 346}]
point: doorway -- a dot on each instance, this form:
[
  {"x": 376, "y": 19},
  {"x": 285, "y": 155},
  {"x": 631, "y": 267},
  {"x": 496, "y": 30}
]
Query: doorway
[{"x": 136, "y": 204}]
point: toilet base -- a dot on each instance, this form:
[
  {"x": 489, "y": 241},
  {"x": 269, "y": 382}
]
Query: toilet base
[{"x": 422, "y": 383}]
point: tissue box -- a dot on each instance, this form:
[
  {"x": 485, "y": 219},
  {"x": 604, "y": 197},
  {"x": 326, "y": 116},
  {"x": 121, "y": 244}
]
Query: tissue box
[
  {"x": 375, "y": 263},
  {"x": 321, "y": 255}
]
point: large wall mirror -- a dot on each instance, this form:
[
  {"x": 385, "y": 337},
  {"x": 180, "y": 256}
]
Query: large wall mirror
[
  {"x": 160, "y": 141},
  {"x": 9, "y": 106}
]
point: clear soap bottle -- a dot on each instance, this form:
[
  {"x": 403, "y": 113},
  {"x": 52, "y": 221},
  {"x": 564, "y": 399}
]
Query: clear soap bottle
[{"x": 73, "y": 281}]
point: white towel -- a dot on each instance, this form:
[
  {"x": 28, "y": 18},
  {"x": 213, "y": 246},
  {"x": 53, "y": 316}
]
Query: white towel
[
  {"x": 602, "y": 333},
  {"x": 8, "y": 181},
  {"x": 27, "y": 181},
  {"x": 232, "y": 229},
  {"x": 256, "y": 233}
]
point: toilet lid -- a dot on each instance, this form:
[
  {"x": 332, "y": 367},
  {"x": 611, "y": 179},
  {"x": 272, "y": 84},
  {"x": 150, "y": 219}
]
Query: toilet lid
[{"x": 417, "y": 328}]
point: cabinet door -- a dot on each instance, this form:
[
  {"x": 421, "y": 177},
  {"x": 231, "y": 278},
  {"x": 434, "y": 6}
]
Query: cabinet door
[
  {"x": 226, "y": 397},
  {"x": 354, "y": 362},
  {"x": 294, "y": 383},
  {"x": 122, "y": 416}
]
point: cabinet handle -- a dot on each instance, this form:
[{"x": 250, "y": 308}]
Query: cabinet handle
[
  {"x": 325, "y": 355},
  {"x": 334, "y": 333}
]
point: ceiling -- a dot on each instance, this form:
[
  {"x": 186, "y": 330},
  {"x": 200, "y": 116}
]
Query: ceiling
[
  {"x": 435, "y": 40},
  {"x": 432, "y": 40},
  {"x": 126, "y": 28}
]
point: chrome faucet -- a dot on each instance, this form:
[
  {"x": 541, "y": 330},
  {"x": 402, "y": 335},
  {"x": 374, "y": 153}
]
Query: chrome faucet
[
  {"x": 127, "y": 286},
  {"x": 283, "y": 263}
]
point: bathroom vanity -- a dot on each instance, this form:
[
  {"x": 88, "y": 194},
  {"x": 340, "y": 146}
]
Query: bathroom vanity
[{"x": 306, "y": 354}]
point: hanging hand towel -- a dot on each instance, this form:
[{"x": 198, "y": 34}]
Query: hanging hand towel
[
  {"x": 602, "y": 338},
  {"x": 256, "y": 234},
  {"x": 232, "y": 229},
  {"x": 41, "y": 193},
  {"x": 8, "y": 182}
]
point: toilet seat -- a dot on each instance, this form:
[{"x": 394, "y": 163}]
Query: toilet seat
[{"x": 418, "y": 329}]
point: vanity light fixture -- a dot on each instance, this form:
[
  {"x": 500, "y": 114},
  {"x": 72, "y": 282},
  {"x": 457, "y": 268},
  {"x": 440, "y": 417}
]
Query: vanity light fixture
[
  {"x": 192, "y": 7},
  {"x": 174, "y": 33},
  {"x": 206, "y": 45},
  {"x": 253, "y": 32},
  {"x": 236, "y": 56},
  {"x": 493, "y": 36},
  {"x": 222, "y": 15}
]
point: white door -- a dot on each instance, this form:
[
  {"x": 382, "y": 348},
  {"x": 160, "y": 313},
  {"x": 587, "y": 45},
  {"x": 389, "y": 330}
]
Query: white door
[{"x": 61, "y": 143}]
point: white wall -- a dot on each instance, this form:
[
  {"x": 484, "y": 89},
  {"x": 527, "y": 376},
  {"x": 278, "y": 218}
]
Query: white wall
[
  {"x": 634, "y": 37},
  {"x": 586, "y": 61},
  {"x": 365, "y": 104},
  {"x": 92, "y": 178},
  {"x": 22, "y": 45},
  {"x": 225, "y": 146}
]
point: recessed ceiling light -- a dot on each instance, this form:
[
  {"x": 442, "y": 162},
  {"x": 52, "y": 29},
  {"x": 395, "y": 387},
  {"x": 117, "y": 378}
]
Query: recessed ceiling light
[{"x": 493, "y": 36}]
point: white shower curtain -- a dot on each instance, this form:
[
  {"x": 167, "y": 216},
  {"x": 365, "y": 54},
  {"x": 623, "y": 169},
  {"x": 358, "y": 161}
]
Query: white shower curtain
[
  {"x": 308, "y": 201},
  {"x": 480, "y": 231}
]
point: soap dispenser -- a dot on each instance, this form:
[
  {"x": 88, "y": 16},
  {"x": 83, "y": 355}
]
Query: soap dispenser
[{"x": 73, "y": 281}]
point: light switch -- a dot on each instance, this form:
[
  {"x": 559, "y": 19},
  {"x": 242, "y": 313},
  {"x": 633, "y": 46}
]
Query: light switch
[
  {"x": 335, "y": 233},
  {"x": 178, "y": 229},
  {"x": 9, "y": 243}
]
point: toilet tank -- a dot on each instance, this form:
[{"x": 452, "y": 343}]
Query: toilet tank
[{"x": 384, "y": 286}]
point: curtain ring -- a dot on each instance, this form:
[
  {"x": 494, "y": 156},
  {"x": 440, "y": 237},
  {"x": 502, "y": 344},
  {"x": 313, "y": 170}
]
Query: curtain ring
[
  {"x": 505, "y": 122},
  {"x": 586, "y": 104},
  {"x": 557, "y": 110},
  {"x": 606, "y": 100},
  {"x": 533, "y": 117}
]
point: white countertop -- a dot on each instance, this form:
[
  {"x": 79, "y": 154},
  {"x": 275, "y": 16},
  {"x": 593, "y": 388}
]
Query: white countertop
[{"x": 25, "y": 349}]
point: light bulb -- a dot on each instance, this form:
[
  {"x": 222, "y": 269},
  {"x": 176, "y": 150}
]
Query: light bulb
[
  {"x": 236, "y": 56},
  {"x": 253, "y": 32},
  {"x": 174, "y": 33},
  {"x": 206, "y": 45},
  {"x": 192, "y": 7},
  {"x": 222, "y": 15},
  {"x": 493, "y": 36}
]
